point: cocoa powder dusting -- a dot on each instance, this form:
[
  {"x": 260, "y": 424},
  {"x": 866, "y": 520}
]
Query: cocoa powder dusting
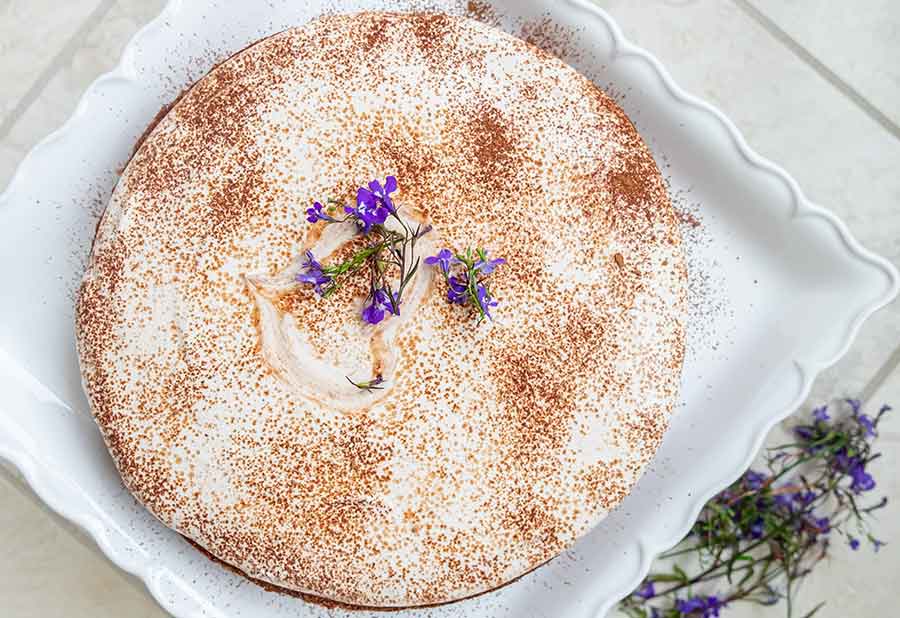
[{"x": 191, "y": 294}]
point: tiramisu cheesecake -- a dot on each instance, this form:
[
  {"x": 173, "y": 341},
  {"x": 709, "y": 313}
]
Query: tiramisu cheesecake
[{"x": 301, "y": 343}]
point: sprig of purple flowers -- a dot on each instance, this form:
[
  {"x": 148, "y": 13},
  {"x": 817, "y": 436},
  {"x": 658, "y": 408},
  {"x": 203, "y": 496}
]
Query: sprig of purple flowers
[
  {"x": 466, "y": 275},
  {"x": 759, "y": 537},
  {"x": 386, "y": 249}
]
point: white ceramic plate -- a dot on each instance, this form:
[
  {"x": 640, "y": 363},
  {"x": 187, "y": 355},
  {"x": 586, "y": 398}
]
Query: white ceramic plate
[{"x": 779, "y": 291}]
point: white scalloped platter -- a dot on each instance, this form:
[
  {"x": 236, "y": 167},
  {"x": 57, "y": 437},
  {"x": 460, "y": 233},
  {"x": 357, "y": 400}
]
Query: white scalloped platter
[{"x": 779, "y": 290}]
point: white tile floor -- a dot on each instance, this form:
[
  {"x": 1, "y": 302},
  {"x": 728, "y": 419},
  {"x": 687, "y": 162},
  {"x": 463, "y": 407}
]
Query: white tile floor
[{"x": 814, "y": 85}]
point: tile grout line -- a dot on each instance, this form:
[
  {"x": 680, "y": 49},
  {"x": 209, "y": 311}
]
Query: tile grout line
[
  {"x": 819, "y": 67},
  {"x": 881, "y": 376},
  {"x": 56, "y": 63}
]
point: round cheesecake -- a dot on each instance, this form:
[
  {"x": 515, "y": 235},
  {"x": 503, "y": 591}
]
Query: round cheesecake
[{"x": 221, "y": 384}]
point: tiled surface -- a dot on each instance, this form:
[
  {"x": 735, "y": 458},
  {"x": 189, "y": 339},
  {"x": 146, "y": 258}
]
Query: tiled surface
[
  {"x": 51, "y": 570},
  {"x": 98, "y": 52},
  {"x": 32, "y": 32},
  {"x": 842, "y": 156},
  {"x": 859, "y": 41}
]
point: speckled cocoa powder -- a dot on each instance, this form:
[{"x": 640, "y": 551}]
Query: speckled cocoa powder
[{"x": 425, "y": 495}]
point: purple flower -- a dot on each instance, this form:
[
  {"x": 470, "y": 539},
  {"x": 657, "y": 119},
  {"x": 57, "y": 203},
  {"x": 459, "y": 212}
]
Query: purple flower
[
  {"x": 690, "y": 606},
  {"x": 374, "y": 312},
  {"x": 443, "y": 260},
  {"x": 757, "y": 528},
  {"x": 458, "y": 289},
  {"x": 312, "y": 274},
  {"x": 370, "y": 210},
  {"x": 785, "y": 501},
  {"x": 485, "y": 301},
  {"x": 821, "y": 414},
  {"x": 713, "y": 605},
  {"x": 709, "y": 606},
  {"x": 804, "y": 433},
  {"x": 647, "y": 590},
  {"x": 754, "y": 480},
  {"x": 866, "y": 423},
  {"x": 854, "y": 543},
  {"x": 317, "y": 213},
  {"x": 842, "y": 462},
  {"x": 862, "y": 480},
  {"x": 383, "y": 297},
  {"x": 876, "y": 544},
  {"x": 487, "y": 267},
  {"x": 822, "y": 524},
  {"x": 377, "y": 195},
  {"x": 855, "y": 405},
  {"x": 804, "y": 498}
]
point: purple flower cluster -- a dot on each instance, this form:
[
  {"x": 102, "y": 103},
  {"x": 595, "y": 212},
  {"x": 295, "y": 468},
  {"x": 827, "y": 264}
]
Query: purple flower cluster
[
  {"x": 466, "y": 276},
  {"x": 842, "y": 460},
  {"x": 699, "y": 606},
  {"x": 860, "y": 480},
  {"x": 373, "y": 206}
]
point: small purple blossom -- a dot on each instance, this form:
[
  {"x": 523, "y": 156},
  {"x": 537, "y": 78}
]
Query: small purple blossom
[
  {"x": 374, "y": 312},
  {"x": 647, "y": 590},
  {"x": 854, "y": 543},
  {"x": 804, "y": 498},
  {"x": 458, "y": 289},
  {"x": 804, "y": 433},
  {"x": 312, "y": 274},
  {"x": 443, "y": 260},
  {"x": 317, "y": 213},
  {"x": 855, "y": 405},
  {"x": 757, "y": 528},
  {"x": 821, "y": 414},
  {"x": 842, "y": 462},
  {"x": 876, "y": 544},
  {"x": 822, "y": 525},
  {"x": 709, "y": 606},
  {"x": 754, "y": 480},
  {"x": 862, "y": 480},
  {"x": 485, "y": 301},
  {"x": 713, "y": 605},
  {"x": 377, "y": 195},
  {"x": 370, "y": 209},
  {"x": 785, "y": 501},
  {"x": 867, "y": 424},
  {"x": 690, "y": 606},
  {"x": 487, "y": 267}
]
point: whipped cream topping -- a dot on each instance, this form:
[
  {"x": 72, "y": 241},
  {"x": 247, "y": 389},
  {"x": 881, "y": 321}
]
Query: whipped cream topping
[{"x": 219, "y": 383}]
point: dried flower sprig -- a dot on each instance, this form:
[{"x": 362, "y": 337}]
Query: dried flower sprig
[
  {"x": 755, "y": 541},
  {"x": 388, "y": 248},
  {"x": 372, "y": 385},
  {"x": 466, "y": 275}
]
